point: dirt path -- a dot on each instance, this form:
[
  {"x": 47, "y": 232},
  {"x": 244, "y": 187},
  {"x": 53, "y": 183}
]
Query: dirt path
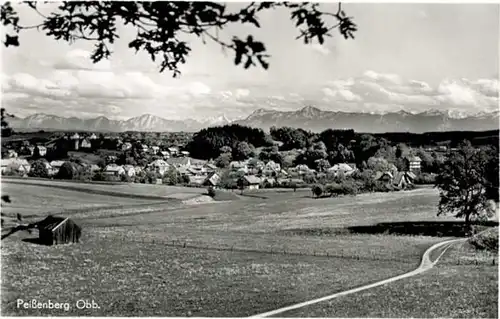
[{"x": 425, "y": 264}]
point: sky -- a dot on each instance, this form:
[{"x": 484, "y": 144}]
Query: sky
[{"x": 412, "y": 57}]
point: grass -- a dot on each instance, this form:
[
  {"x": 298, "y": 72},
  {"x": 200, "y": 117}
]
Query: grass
[
  {"x": 148, "y": 191},
  {"x": 463, "y": 285},
  {"x": 31, "y": 200},
  {"x": 231, "y": 258},
  {"x": 127, "y": 278}
]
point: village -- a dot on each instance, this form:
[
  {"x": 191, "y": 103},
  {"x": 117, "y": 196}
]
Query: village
[{"x": 128, "y": 160}]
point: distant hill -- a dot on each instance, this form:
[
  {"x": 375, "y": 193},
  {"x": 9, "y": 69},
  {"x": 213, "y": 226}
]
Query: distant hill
[
  {"x": 308, "y": 118},
  {"x": 316, "y": 120}
]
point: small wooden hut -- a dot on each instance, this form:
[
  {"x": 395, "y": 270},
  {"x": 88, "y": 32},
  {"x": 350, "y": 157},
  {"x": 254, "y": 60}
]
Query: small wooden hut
[{"x": 58, "y": 230}]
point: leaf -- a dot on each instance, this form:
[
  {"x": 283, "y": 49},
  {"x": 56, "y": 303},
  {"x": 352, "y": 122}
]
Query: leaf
[{"x": 11, "y": 40}]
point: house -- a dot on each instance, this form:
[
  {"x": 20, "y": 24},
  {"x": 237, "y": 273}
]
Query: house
[
  {"x": 341, "y": 169},
  {"x": 31, "y": 149},
  {"x": 236, "y": 165},
  {"x": 212, "y": 180},
  {"x": 160, "y": 166},
  {"x": 185, "y": 153},
  {"x": 402, "y": 179},
  {"x": 165, "y": 154},
  {"x": 154, "y": 149},
  {"x": 413, "y": 163},
  {"x": 126, "y": 146},
  {"x": 144, "y": 147},
  {"x": 129, "y": 170},
  {"x": 114, "y": 170},
  {"x": 249, "y": 182},
  {"x": 209, "y": 167},
  {"x": 55, "y": 166},
  {"x": 85, "y": 143},
  {"x": 58, "y": 230},
  {"x": 179, "y": 161},
  {"x": 271, "y": 169},
  {"x": 42, "y": 150},
  {"x": 196, "y": 171},
  {"x": 93, "y": 136},
  {"x": 173, "y": 151},
  {"x": 17, "y": 165}
]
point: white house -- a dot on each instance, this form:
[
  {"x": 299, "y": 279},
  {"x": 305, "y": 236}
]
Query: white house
[
  {"x": 165, "y": 154},
  {"x": 129, "y": 170},
  {"x": 114, "y": 170},
  {"x": 160, "y": 166},
  {"x": 342, "y": 169},
  {"x": 85, "y": 143},
  {"x": 173, "y": 151},
  {"x": 55, "y": 166},
  {"x": 42, "y": 150},
  {"x": 21, "y": 166}
]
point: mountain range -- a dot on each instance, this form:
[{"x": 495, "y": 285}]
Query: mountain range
[
  {"x": 143, "y": 123},
  {"x": 308, "y": 118}
]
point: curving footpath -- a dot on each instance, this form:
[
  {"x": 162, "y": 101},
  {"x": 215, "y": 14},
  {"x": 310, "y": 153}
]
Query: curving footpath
[{"x": 425, "y": 265}]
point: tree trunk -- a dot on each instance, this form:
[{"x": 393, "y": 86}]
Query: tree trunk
[{"x": 467, "y": 224}]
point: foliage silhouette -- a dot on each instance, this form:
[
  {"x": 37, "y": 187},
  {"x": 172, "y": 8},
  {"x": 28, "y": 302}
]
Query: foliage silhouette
[{"x": 162, "y": 27}]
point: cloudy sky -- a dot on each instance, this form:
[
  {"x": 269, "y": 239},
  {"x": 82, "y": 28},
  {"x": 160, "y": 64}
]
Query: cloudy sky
[{"x": 405, "y": 56}]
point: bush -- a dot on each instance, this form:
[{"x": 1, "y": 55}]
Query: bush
[
  {"x": 317, "y": 190},
  {"x": 425, "y": 178},
  {"x": 211, "y": 191}
]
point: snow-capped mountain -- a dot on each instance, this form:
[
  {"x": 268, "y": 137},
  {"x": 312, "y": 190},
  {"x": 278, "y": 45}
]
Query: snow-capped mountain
[
  {"x": 315, "y": 119},
  {"x": 145, "y": 123},
  {"x": 309, "y": 118}
]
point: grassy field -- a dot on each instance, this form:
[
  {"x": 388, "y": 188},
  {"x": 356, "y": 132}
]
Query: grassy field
[
  {"x": 31, "y": 200},
  {"x": 463, "y": 285},
  {"x": 118, "y": 189},
  {"x": 144, "y": 279},
  {"x": 231, "y": 258}
]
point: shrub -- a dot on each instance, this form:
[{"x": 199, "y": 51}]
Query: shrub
[
  {"x": 348, "y": 187},
  {"x": 425, "y": 178},
  {"x": 317, "y": 190}
]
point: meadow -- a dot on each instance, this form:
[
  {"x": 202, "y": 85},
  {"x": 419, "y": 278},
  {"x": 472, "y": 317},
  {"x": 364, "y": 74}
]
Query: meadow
[
  {"x": 263, "y": 251},
  {"x": 463, "y": 285}
]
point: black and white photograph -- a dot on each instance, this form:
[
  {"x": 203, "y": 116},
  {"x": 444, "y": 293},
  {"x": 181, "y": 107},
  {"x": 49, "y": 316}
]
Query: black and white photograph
[{"x": 249, "y": 159}]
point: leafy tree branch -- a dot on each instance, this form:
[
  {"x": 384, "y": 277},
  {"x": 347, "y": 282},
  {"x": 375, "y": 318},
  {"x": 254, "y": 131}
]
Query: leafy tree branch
[{"x": 161, "y": 27}]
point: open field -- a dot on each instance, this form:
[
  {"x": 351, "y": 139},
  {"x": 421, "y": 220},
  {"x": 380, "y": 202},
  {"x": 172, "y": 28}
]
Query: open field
[
  {"x": 115, "y": 189},
  {"x": 238, "y": 258},
  {"x": 30, "y": 200},
  {"x": 463, "y": 285},
  {"x": 130, "y": 278}
]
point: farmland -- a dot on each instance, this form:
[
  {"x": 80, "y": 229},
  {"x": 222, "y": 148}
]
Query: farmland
[{"x": 232, "y": 258}]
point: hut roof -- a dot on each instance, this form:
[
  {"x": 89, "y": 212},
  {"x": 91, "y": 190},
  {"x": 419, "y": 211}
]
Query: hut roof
[{"x": 51, "y": 223}]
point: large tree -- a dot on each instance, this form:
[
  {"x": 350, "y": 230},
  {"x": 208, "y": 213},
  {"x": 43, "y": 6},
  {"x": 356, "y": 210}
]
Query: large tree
[
  {"x": 463, "y": 181},
  {"x": 164, "y": 29}
]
